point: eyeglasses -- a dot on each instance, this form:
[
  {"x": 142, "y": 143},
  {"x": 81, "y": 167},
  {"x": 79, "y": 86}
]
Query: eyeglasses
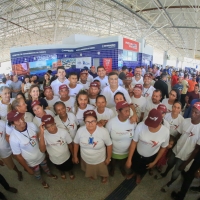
[{"x": 90, "y": 122}]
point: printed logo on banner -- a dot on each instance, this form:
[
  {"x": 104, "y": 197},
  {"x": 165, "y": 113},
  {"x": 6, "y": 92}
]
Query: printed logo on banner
[{"x": 130, "y": 45}]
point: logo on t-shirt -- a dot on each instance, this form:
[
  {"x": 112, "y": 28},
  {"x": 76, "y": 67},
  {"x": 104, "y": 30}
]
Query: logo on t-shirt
[
  {"x": 95, "y": 143},
  {"x": 61, "y": 141},
  {"x": 68, "y": 109},
  {"x": 72, "y": 125},
  {"x": 136, "y": 105},
  {"x": 153, "y": 118},
  {"x": 191, "y": 134},
  {"x": 154, "y": 143}
]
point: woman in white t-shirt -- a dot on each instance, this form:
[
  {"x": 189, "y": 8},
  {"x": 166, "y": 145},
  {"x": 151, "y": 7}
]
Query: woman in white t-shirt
[
  {"x": 65, "y": 120},
  {"x": 174, "y": 118},
  {"x": 103, "y": 113},
  {"x": 81, "y": 105},
  {"x": 95, "y": 147},
  {"x": 25, "y": 146},
  {"x": 6, "y": 152},
  {"x": 168, "y": 102},
  {"x": 148, "y": 144},
  {"x": 121, "y": 133},
  {"x": 5, "y": 103},
  {"x": 58, "y": 143},
  {"x": 39, "y": 112}
]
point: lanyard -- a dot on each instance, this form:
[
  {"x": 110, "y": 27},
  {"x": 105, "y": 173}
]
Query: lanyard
[{"x": 146, "y": 91}]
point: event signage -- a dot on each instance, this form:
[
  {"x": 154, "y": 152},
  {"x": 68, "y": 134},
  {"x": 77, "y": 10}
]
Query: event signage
[
  {"x": 107, "y": 63},
  {"x": 130, "y": 45}
]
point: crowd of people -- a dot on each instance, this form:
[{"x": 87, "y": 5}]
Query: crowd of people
[{"x": 141, "y": 120}]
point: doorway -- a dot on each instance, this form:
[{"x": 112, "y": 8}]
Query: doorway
[{"x": 96, "y": 62}]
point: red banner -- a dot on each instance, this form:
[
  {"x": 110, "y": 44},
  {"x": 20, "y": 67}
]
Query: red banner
[
  {"x": 130, "y": 45},
  {"x": 107, "y": 63}
]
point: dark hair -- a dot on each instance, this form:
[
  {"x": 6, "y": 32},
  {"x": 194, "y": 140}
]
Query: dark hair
[
  {"x": 120, "y": 94},
  {"x": 100, "y": 96},
  {"x": 130, "y": 69},
  {"x": 61, "y": 67},
  {"x": 196, "y": 85},
  {"x": 58, "y": 103},
  {"x": 112, "y": 74},
  {"x": 177, "y": 94},
  {"x": 73, "y": 74},
  {"x": 81, "y": 92},
  {"x": 185, "y": 75},
  {"x": 49, "y": 71},
  {"x": 178, "y": 103},
  {"x": 87, "y": 116},
  {"x": 138, "y": 67},
  {"x": 10, "y": 123},
  {"x": 163, "y": 75},
  {"x": 22, "y": 94},
  {"x": 99, "y": 67},
  {"x": 25, "y": 78},
  {"x": 157, "y": 90},
  {"x": 4, "y": 80},
  {"x": 124, "y": 68}
]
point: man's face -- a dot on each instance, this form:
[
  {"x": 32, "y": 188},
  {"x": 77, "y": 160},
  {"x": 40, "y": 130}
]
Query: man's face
[
  {"x": 113, "y": 80},
  {"x": 154, "y": 70},
  {"x": 101, "y": 72},
  {"x": 156, "y": 97},
  {"x": 93, "y": 70},
  {"x": 138, "y": 72},
  {"x": 73, "y": 79},
  {"x": 61, "y": 73},
  {"x": 48, "y": 93},
  {"x": 83, "y": 77},
  {"x": 195, "y": 113},
  {"x": 147, "y": 80},
  {"x": 15, "y": 78},
  {"x": 194, "y": 78},
  {"x": 196, "y": 89},
  {"x": 127, "y": 81}
]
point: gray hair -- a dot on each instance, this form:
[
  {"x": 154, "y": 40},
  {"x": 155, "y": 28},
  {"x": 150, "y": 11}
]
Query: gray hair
[
  {"x": 2, "y": 88},
  {"x": 16, "y": 103}
]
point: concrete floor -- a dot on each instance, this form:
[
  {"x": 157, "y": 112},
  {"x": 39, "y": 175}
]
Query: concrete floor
[{"x": 82, "y": 188}]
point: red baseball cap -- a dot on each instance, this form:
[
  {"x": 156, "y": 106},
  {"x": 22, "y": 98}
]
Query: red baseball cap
[
  {"x": 14, "y": 115},
  {"x": 154, "y": 118},
  {"x": 162, "y": 108},
  {"x": 64, "y": 86},
  {"x": 47, "y": 119},
  {"x": 94, "y": 84},
  {"x": 47, "y": 87},
  {"x": 128, "y": 77},
  {"x": 122, "y": 104},
  {"x": 92, "y": 67},
  {"x": 139, "y": 86},
  {"x": 148, "y": 75},
  {"x": 89, "y": 113},
  {"x": 197, "y": 105},
  {"x": 34, "y": 103}
]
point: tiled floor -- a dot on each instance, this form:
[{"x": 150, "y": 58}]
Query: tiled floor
[{"x": 82, "y": 188}]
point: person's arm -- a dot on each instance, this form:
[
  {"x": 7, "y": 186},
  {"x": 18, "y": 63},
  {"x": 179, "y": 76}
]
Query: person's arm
[
  {"x": 166, "y": 92},
  {"x": 71, "y": 149},
  {"x": 130, "y": 154},
  {"x": 141, "y": 116},
  {"x": 7, "y": 137},
  {"x": 22, "y": 161},
  {"x": 42, "y": 145},
  {"x": 22, "y": 88},
  {"x": 109, "y": 154},
  {"x": 191, "y": 157},
  {"x": 134, "y": 118},
  {"x": 75, "y": 157},
  {"x": 159, "y": 155}
]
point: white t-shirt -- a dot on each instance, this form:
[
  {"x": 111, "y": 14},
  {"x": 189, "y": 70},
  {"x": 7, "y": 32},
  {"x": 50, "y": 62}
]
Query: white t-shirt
[
  {"x": 70, "y": 124},
  {"x": 4, "y": 109},
  {"x": 85, "y": 85},
  {"x": 143, "y": 71},
  {"x": 92, "y": 102},
  {"x": 74, "y": 91},
  {"x": 9, "y": 83},
  {"x": 93, "y": 149},
  {"x": 169, "y": 107},
  {"x": 57, "y": 145},
  {"x": 134, "y": 82},
  {"x": 174, "y": 123},
  {"x": 190, "y": 136},
  {"x": 149, "y": 106},
  {"x": 148, "y": 92},
  {"x": 140, "y": 104},
  {"x": 37, "y": 120},
  {"x": 26, "y": 87},
  {"x": 121, "y": 134},
  {"x": 20, "y": 144},
  {"x": 69, "y": 103},
  {"x": 28, "y": 117},
  {"x": 79, "y": 113},
  {"x": 90, "y": 78},
  {"x": 148, "y": 143},
  {"x": 52, "y": 102},
  {"x": 106, "y": 115},
  {"x": 166, "y": 124},
  {"x": 55, "y": 85},
  {"x": 107, "y": 92},
  {"x": 104, "y": 81},
  {"x": 5, "y": 150}
]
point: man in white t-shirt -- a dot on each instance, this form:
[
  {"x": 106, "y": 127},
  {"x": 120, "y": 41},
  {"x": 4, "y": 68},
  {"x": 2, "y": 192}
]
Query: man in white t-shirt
[
  {"x": 102, "y": 76},
  {"x": 147, "y": 87},
  {"x": 73, "y": 85},
  {"x": 65, "y": 98},
  {"x": 60, "y": 80},
  {"x": 153, "y": 102},
  {"x": 89, "y": 77},
  {"x": 148, "y": 144},
  {"x": 137, "y": 79},
  {"x": 8, "y": 80},
  {"x": 93, "y": 92},
  {"x": 139, "y": 101},
  {"x": 50, "y": 98},
  {"x": 83, "y": 79},
  {"x": 143, "y": 71},
  {"x": 187, "y": 146},
  {"x": 127, "y": 84}
]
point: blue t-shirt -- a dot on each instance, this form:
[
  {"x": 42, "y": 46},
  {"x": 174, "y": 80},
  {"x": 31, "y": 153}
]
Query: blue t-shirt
[{"x": 178, "y": 86}]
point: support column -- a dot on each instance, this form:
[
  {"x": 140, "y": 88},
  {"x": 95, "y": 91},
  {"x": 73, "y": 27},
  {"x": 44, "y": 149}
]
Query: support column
[
  {"x": 164, "y": 59},
  {"x": 177, "y": 62}
]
